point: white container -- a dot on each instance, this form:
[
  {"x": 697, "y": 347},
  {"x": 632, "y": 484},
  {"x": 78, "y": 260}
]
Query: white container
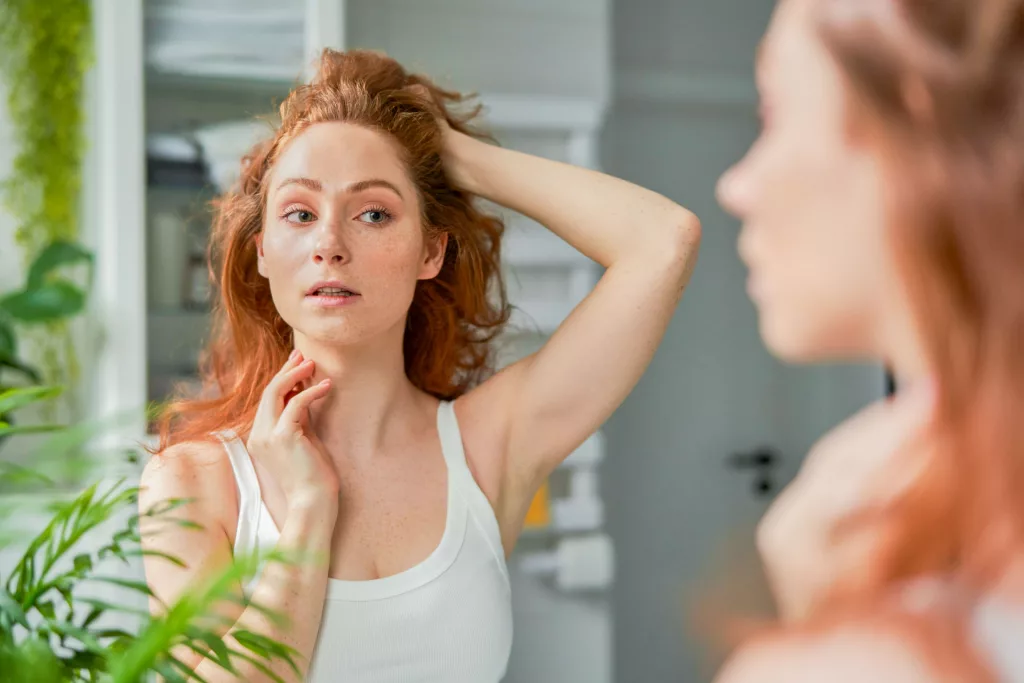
[{"x": 167, "y": 262}]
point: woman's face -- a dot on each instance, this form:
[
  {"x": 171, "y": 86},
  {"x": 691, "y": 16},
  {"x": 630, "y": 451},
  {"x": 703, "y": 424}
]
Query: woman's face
[
  {"x": 810, "y": 196},
  {"x": 343, "y": 245}
]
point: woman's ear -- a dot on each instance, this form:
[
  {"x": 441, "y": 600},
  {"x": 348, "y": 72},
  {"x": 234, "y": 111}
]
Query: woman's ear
[
  {"x": 261, "y": 265},
  {"x": 434, "y": 249}
]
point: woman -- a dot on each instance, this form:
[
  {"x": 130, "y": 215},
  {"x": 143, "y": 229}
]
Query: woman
[
  {"x": 352, "y": 243},
  {"x": 882, "y": 208}
]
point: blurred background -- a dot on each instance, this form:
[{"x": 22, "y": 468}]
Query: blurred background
[{"x": 656, "y": 513}]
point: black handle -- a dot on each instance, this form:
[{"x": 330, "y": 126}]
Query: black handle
[
  {"x": 759, "y": 458},
  {"x": 762, "y": 460}
]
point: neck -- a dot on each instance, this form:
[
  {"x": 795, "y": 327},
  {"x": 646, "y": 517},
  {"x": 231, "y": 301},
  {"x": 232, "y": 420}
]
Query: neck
[
  {"x": 369, "y": 391},
  {"x": 904, "y": 352}
]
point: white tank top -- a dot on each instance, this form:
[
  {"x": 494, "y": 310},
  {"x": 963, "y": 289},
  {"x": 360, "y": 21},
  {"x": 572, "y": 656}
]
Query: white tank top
[
  {"x": 446, "y": 620},
  {"x": 996, "y": 626}
]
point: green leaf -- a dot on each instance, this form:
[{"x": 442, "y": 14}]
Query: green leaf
[
  {"x": 45, "y": 607},
  {"x": 167, "y": 669},
  {"x": 131, "y": 584},
  {"x": 55, "y": 255},
  {"x": 11, "y": 610},
  {"x": 31, "y": 661},
  {"x": 94, "y": 614},
  {"x": 101, "y": 606},
  {"x": 13, "y": 399},
  {"x": 12, "y": 363},
  {"x": 259, "y": 664},
  {"x": 11, "y": 430},
  {"x": 21, "y": 477},
  {"x": 162, "y": 507},
  {"x": 191, "y": 675},
  {"x": 8, "y": 342},
  {"x": 83, "y": 636},
  {"x": 84, "y": 660},
  {"x": 217, "y": 647},
  {"x": 108, "y": 633},
  {"x": 53, "y": 300},
  {"x": 138, "y": 552},
  {"x": 266, "y": 647},
  {"x": 83, "y": 563}
]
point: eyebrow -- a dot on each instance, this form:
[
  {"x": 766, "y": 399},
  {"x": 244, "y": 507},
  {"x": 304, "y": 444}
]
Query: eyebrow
[{"x": 317, "y": 186}]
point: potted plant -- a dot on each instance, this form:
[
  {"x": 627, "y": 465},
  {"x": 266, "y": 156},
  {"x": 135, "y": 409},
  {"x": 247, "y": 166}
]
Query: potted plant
[{"x": 51, "y": 629}]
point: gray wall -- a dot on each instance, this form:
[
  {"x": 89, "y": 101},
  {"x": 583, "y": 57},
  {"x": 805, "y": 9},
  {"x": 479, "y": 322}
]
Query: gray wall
[{"x": 684, "y": 111}]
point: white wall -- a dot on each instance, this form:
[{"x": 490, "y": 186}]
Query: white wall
[{"x": 535, "y": 47}]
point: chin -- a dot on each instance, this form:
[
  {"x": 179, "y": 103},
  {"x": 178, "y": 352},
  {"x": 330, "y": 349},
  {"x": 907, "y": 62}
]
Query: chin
[
  {"x": 807, "y": 340},
  {"x": 792, "y": 343}
]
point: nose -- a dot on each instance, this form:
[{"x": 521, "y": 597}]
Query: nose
[
  {"x": 330, "y": 246},
  {"x": 730, "y": 193}
]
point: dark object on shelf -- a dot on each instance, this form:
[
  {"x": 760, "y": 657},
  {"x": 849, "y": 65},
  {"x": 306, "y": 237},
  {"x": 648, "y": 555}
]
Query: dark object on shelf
[
  {"x": 763, "y": 461},
  {"x": 169, "y": 173},
  {"x": 175, "y": 161}
]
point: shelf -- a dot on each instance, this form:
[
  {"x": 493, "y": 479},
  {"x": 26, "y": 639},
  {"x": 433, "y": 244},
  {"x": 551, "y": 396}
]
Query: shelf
[
  {"x": 230, "y": 79},
  {"x": 501, "y": 111}
]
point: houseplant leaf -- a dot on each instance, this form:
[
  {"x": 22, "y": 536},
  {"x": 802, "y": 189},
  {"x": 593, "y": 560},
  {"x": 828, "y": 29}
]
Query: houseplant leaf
[{"x": 54, "y": 256}]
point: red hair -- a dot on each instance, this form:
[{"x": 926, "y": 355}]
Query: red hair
[
  {"x": 937, "y": 88},
  {"x": 940, "y": 84},
  {"x": 453, "y": 317}
]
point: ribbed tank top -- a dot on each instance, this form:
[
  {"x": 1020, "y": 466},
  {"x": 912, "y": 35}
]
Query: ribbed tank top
[
  {"x": 448, "y": 619},
  {"x": 995, "y": 625}
]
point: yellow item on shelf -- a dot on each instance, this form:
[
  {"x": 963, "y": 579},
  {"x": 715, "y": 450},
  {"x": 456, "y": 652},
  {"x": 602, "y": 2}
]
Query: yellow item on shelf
[{"x": 539, "y": 514}]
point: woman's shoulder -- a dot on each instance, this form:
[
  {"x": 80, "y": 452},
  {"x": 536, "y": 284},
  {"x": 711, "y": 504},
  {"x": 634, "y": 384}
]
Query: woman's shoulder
[
  {"x": 199, "y": 471},
  {"x": 842, "y": 654},
  {"x": 187, "y": 458}
]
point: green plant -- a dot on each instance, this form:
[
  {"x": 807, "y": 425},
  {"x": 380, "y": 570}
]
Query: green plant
[
  {"x": 52, "y": 631},
  {"x": 45, "y": 51},
  {"x": 51, "y": 295}
]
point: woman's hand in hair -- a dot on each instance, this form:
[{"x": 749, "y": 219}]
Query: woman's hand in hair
[
  {"x": 282, "y": 441},
  {"x": 866, "y": 462}
]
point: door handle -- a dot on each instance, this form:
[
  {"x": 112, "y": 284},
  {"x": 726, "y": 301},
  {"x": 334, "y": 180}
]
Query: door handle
[{"x": 762, "y": 461}]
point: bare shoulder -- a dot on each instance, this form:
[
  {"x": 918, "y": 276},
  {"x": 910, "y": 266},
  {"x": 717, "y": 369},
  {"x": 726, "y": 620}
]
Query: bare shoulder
[
  {"x": 194, "y": 470},
  {"x": 843, "y": 655}
]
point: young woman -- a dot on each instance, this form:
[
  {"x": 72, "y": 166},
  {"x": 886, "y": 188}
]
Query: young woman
[
  {"x": 882, "y": 211},
  {"x": 359, "y": 292}
]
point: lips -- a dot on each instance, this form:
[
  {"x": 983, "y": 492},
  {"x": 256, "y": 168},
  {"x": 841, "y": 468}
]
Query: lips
[{"x": 331, "y": 289}]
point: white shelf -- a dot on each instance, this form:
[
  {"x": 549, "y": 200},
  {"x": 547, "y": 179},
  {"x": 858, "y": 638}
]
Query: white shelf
[
  {"x": 543, "y": 112},
  {"x": 231, "y": 75}
]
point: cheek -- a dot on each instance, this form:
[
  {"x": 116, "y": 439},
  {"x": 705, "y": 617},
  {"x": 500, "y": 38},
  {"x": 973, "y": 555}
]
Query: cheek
[
  {"x": 820, "y": 256},
  {"x": 390, "y": 264},
  {"x": 282, "y": 253}
]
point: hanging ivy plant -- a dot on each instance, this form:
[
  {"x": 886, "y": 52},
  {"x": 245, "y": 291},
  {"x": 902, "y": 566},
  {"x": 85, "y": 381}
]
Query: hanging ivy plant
[{"x": 45, "y": 51}]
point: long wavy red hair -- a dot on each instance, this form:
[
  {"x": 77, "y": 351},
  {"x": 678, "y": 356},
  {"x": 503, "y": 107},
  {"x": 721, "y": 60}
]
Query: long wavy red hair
[
  {"x": 940, "y": 86},
  {"x": 937, "y": 88},
  {"x": 453, "y": 317}
]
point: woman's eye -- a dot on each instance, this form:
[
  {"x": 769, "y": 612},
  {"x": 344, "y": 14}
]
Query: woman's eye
[
  {"x": 374, "y": 216},
  {"x": 300, "y": 216}
]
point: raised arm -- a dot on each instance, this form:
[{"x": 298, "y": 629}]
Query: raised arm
[{"x": 540, "y": 409}]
